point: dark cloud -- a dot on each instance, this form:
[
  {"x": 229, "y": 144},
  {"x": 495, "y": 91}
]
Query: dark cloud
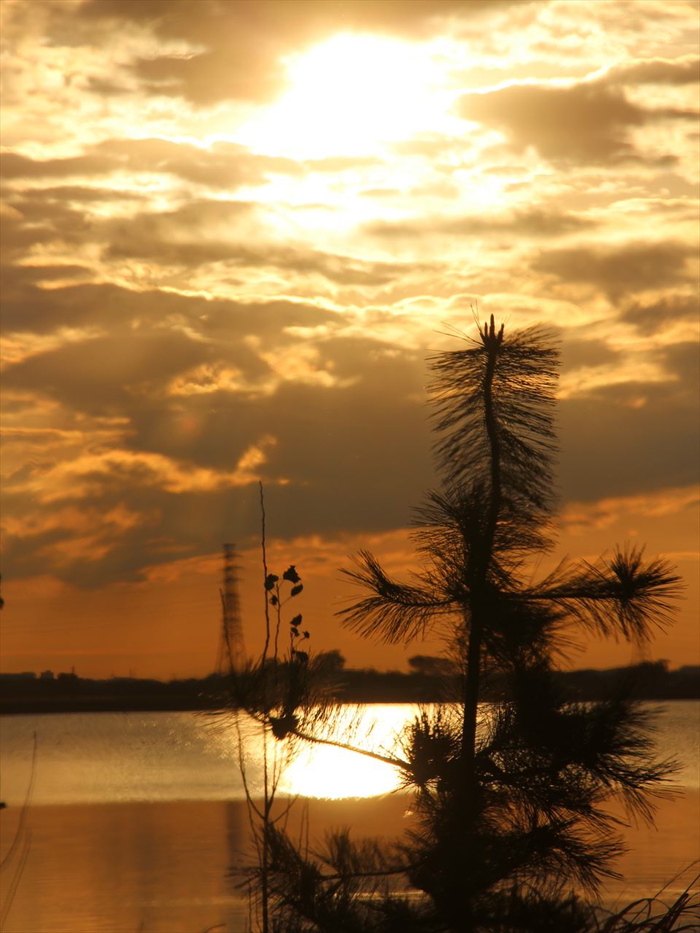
[
  {"x": 202, "y": 231},
  {"x": 222, "y": 165},
  {"x": 337, "y": 437},
  {"x": 576, "y": 354},
  {"x": 208, "y": 78},
  {"x": 14, "y": 165},
  {"x": 343, "y": 447},
  {"x": 81, "y": 193},
  {"x": 27, "y": 308},
  {"x": 202, "y": 19},
  {"x": 34, "y": 222},
  {"x": 405, "y": 17},
  {"x": 632, "y": 438},
  {"x": 39, "y": 273},
  {"x": 354, "y": 456},
  {"x": 341, "y": 270},
  {"x": 198, "y": 225},
  {"x": 657, "y": 71},
  {"x": 631, "y": 268},
  {"x": 657, "y": 314},
  {"x": 586, "y": 122},
  {"x": 25, "y": 554},
  {"x": 682, "y": 362},
  {"x": 30, "y": 309},
  {"x": 235, "y": 233},
  {"x": 103, "y": 375},
  {"x": 532, "y": 222},
  {"x": 105, "y": 89}
]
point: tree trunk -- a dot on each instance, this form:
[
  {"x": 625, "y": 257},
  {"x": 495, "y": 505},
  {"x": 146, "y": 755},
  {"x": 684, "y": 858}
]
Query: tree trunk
[
  {"x": 479, "y": 568},
  {"x": 476, "y": 612}
]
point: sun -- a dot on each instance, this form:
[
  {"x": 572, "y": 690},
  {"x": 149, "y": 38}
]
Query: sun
[{"x": 350, "y": 95}]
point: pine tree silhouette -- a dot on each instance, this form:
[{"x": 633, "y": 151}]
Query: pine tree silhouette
[{"x": 511, "y": 799}]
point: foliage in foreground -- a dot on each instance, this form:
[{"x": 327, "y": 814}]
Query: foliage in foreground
[
  {"x": 653, "y": 915},
  {"x": 513, "y": 831}
]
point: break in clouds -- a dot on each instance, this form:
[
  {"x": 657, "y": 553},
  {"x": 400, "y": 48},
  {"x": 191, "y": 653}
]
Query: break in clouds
[{"x": 219, "y": 267}]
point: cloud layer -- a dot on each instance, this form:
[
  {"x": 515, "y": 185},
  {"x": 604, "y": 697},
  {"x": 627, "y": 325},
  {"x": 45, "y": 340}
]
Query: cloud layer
[{"x": 220, "y": 268}]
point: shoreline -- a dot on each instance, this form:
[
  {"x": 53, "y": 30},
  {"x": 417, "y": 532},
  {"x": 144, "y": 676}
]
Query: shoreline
[
  {"x": 19, "y": 706},
  {"x": 69, "y": 693}
]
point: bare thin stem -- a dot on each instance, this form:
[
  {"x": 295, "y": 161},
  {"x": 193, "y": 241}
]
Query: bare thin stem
[{"x": 264, "y": 562}]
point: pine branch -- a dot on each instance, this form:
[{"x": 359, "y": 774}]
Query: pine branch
[
  {"x": 392, "y": 760},
  {"x": 395, "y": 612},
  {"x": 622, "y": 596}
]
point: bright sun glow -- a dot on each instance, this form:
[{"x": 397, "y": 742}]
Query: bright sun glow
[
  {"x": 334, "y": 773},
  {"x": 349, "y": 95}
]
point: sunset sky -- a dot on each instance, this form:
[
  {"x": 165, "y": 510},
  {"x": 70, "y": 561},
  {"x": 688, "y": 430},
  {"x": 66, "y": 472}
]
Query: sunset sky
[{"x": 233, "y": 231}]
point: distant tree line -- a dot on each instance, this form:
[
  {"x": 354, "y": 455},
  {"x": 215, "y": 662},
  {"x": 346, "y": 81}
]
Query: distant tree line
[{"x": 424, "y": 683}]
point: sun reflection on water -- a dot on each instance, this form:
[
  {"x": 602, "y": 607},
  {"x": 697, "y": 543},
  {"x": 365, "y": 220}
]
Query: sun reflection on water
[
  {"x": 332, "y": 774},
  {"x": 323, "y": 771}
]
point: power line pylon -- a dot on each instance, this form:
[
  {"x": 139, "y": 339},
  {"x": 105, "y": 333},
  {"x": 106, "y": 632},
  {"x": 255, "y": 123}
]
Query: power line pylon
[{"x": 231, "y": 649}]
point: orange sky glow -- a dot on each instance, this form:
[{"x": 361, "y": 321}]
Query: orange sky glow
[{"x": 232, "y": 233}]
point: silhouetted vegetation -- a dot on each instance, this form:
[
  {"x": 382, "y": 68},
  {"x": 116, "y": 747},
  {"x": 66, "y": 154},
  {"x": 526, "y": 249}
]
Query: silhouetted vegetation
[
  {"x": 26, "y": 693},
  {"x": 513, "y": 832}
]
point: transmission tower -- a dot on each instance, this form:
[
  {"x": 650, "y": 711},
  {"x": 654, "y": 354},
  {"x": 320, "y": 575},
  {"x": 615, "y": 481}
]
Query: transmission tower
[{"x": 231, "y": 649}]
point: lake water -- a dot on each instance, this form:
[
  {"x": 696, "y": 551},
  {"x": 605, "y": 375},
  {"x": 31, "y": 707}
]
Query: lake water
[{"x": 135, "y": 819}]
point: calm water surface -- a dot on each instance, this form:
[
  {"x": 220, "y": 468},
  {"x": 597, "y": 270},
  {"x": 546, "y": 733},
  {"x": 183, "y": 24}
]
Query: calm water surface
[{"x": 135, "y": 819}]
